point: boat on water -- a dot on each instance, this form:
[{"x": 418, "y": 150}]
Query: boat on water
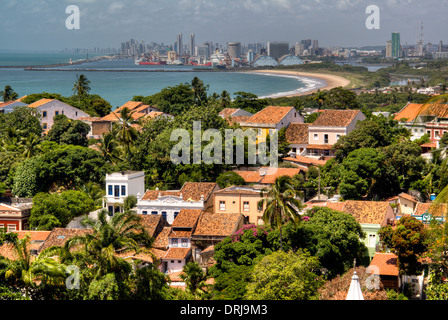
[
  {"x": 208, "y": 64},
  {"x": 149, "y": 60}
]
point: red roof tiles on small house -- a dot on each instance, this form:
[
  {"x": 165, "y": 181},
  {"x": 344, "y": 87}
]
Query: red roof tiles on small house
[
  {"x": 191, "y": 191},
  {"x": 217, "y": 224},
  {"x": 385, "y": 264},
  {"x": 269, "y": 115},
  {"x": 187, "y": 218},
  {"x": 335, "y": 118},
  {"x": 297, "y": 133},
  {"x": 267, "y": 175}
]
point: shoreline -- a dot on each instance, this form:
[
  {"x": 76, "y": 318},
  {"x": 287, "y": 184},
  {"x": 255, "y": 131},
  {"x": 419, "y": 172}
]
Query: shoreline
[{"x": 330, "y": 81}]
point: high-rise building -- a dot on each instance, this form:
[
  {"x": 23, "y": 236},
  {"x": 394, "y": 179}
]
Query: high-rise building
[
  {"x": 389, "y": 49},
  {"x": 278, "y": 49},
  {"x": 396, "y": 46},
  {"x": 250, "y": 56},
  {"x": 234, "y": 50},
  {"x": 179, "y": 46},
  {"x": 440, "y": 46},
  {"x": 191, "y": 44}
]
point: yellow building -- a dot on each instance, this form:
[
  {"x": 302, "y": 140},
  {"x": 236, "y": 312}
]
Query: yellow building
[
  {"x": 240, "y": 199},
  {"x": 270, "y": 120}
]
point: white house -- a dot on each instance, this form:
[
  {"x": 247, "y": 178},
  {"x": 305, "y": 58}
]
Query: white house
[
  {"x": 121, "y": 184},
  {"x": 192, "y": 195},
  {"x": 49, "y": 108}
]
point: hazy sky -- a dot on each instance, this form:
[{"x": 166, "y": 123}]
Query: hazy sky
[{"x": 40, "y": 24}]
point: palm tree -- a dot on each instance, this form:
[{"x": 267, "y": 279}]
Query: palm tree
[
  {"x": 281, "y": 204},
  {"x": 194, "y": 278},
  {"x": 319, "y": 97},
  {"x": 30, "y": 145},
  {"x": 81, "y": 86},
  {"x": 108, "y": 147},
  {"x": 29, "y": 272},
  {"x": 8, "y": 94},
  {"x": 126, "y": 134},
  {"x": 225, "y": 99}
]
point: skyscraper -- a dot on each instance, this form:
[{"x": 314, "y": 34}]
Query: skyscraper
[
  {"x": 191, "y": 44},
  {"x": 179, "y": 45},
  {"x": 278, "y": 49},
  {"x": 234, "y": 50},
  {"x": 389, "y": 49},
  {"x": 396, "y": 46}
]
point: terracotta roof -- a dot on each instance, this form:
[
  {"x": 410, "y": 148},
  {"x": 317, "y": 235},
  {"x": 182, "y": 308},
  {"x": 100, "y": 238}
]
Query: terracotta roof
[
  {"x": 269, "y": 115},
  {"x": 408, "y": 197},
  {"x": 134, "y": 106},
  {"x": 371, "y": 212},
  {"x": 320, "y": 146},
  {"x": 162, "y": 238},
  {"x": 239, "y": 190},
  {"x": 436, "y": 210},
  {"x": 40, "y": 103},
  {"x": 306, "y": 160},
  {"x": 154, "y": 194},
  {"x": 267, "y": 175},
  {"x": 147, "y": 257},
  {"x": 429, "y": 145},
  {"x": 34, "y": 235},
  {"x": 412, "y": 110},
  {"x": 150, "y": 223},
  {"x": 297, "y": 133},
  {"x": 191, "y": 191},
  {"x": 237, "y": 119},
  {"x": 92, "y": 119},
  {"x": 59, "y": 236},
  {"x": 180, "y": 233},
  {"x": 208, "y": 249},
  {"x": 227, "y": 112},
  {"x": 387, "y": 264},
  {"x": 338, "y": 206},
  {"x": 187, "y": 218},
  {"x": 37, "y": 239},
  {"x": 335, "y": 118},
  {"x": 217, "y": 224},
  {"x": 177, "y": 253}
]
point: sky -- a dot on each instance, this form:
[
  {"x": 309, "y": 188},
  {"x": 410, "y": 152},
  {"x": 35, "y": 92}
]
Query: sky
[{"x": 41, "y": 24}]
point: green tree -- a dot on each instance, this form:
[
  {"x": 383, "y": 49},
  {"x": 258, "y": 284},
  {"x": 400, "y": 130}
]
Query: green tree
[
  {"x": 125, "y": 133},
  {"x": 285, "y": 276},
  {"x": 228, "y": 179},
  {"x": 249, "y": 102},
  {"x": 408, "y": 242},
  {"x": 28, "y": 273},
  {"x": 194, "y": 278},
  {"x": 82, "y": 86},
  {"x": 281, "y": 204},
  {"x": 8, "y": 94},
  {"x": 30, "y": 145},
  {"x": 360, "y": 172},
  {"x": 68, "y": 131}
]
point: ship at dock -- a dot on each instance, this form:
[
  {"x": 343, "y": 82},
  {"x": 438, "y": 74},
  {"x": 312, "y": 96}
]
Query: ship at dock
[{"x": 150, "y": 59}]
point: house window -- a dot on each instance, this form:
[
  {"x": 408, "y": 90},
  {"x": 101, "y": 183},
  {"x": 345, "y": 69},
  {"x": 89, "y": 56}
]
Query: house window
[
  {"x": 44, "y": 114},
  {"x": 164, "y": 214},
  {"x": 260, "y": 132},
  {"x": 175, "y": 214},
  {"x": 154, "y": 212},
  {"x": 45, "y": 126},
  {"x": 116, "y": 191},
  {"x": 222, "y": 205},
  {"x": 110, "y": 191},
  {"x": 123, "y": 191},
  {"x": 184, "y": 242},
  {"x": 2, "y": 226},
  {"x": 271, "y": 132},
  {"x": 145, "y": 212},
  {"x": 326, "y": 138},
  {"x": 174, "y": 242},
  {"x": 437, "y": 134},
  {"x": 12, "y": 227},
  {"x": 246, "y": 206},
  {"x": 372, "y": 240},
  {"x": 338, "y": 136},
  {"x": 316, "y": 136},
  {"x": 110, "y": 209},
  {"x": 56, "y": 113}
]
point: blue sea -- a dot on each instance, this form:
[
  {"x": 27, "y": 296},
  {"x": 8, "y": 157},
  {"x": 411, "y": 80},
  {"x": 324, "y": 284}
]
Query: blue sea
[{"x": 118, "y": 81}]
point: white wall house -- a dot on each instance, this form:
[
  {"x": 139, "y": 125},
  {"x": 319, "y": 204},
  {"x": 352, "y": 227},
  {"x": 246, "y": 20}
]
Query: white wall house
[
  {"x": 192, "y": 195},
  {"x": 119, "y": 185},
  {"x": 49, "y": 108}
]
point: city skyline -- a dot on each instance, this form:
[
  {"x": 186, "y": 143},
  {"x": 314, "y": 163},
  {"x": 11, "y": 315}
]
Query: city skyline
[{"x": 40, "y": 25}]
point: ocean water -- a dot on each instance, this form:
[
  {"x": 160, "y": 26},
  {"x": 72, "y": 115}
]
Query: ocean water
[{"x": 117, "y": 81}]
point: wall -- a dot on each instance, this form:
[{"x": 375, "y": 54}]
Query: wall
[
  {"x": 65, "y": 109},
  {"x": 234, "y": 204}
]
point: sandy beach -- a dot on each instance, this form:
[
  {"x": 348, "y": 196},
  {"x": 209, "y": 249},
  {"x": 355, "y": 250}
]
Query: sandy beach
[{"x": 331, "y": 81}]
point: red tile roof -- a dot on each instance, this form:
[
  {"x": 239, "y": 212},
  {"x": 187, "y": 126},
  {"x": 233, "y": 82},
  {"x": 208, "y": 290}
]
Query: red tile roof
[
  {"x": 177, "y": 253},
  {"x": 386, "y": 263},
  {"x": 162, "y": 240},
  {"x": 370, "y": 212},
  {"x": 217, "y": 224},
  {"x": 191, "y": 191},
  {"x": 59, "y": 236},
  {"x": 297, "y": 133},
  {"x": 267, "y": 175},
  {"x": 412, "y": 110},
  {"x": 227, "y": 112},
  {"x": 305, "y": 160},
  {"x": 187, "y": 218},
  {"x": 269, "y": 115},
  {"x": 335, "y": 118}
]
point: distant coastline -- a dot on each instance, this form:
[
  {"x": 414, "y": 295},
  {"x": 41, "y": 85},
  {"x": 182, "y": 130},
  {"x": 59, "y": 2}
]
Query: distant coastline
[
  {"x": 327, "y": 81},
  {"x": 44, "y": 67}
]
